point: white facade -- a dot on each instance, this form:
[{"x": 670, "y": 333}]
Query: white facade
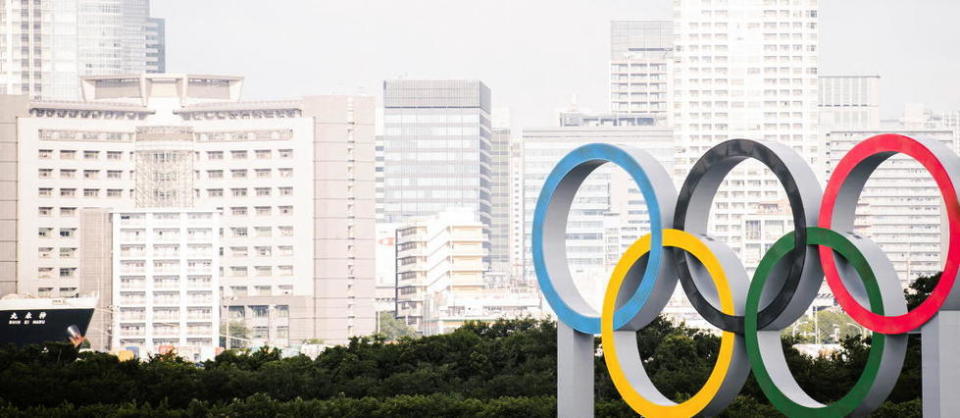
[
  {"x": 442, "y": 282},
  {"x": 294, "y": 181},
  {"x": 166, "y": 287},
  {"x": 641, "y": 61},
  {"x": 745, "y": 70},
  {"x": 849, "y": 102}
]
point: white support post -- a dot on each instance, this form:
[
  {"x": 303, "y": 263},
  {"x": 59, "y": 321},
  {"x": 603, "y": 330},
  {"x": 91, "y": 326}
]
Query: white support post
[{"x": 574, "y": 373}]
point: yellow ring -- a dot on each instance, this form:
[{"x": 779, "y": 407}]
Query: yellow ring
[{"x": 699, "y": 401}]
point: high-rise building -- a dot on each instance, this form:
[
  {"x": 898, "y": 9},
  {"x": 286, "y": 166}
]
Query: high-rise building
[
  {"x": 641, "y": 55},
  {"x": 437, "y": 149},
  {"x": 745, "y": 70},
  {"x": 901, "y": 207},
  {"x": 166, "y": 293},
  {"x": 293, "y": 180},
  {"x": 849, "y": 102},
  {"x": 608, "y": 208},
  {"x": 516, "y": 232},
  {"x": 500, "y": 201},
  {"x": 47, "y": 45},
  {"x": 156, "y": 52}
]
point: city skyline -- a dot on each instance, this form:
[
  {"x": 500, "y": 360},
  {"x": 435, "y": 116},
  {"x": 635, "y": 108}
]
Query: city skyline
[{"x": 381, "y": 37}]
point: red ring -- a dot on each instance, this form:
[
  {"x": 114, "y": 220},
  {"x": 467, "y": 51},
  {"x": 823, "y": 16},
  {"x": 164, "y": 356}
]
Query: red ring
[{"x": 921, "y": 314}]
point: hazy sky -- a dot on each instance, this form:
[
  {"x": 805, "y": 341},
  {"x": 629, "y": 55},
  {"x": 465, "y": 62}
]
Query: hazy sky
[{"x": 534, "y": 54}]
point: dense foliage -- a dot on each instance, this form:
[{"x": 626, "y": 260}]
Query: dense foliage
[{"x": 507, "y": 368}]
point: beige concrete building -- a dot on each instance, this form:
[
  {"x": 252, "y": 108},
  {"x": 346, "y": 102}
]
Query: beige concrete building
[{"x": 293, "y": 180}]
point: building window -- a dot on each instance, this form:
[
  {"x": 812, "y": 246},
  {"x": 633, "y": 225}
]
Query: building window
[
  {"x": 285, "y": 153},
  {"x": 238, "y": 155},
  {"x": 285, "y": 231},
  {"x": 263, "y": 173},
  {"x": 68, "y": 212},
  {"x": 285, "y": 191},
  {"x": 91, "y": 192},
  {"x": 239, "y": 192},
  {"x": 68, "y": 192},
  {"x": 91, "y": 155},
  {"x": 45, "y": 154},
  {"x": 283, "y": 332},
  {"x": 44, "y": 292},
  {"x": 68, "y": 232},
  {"x": 214, "y": 192},
  {"x": 263, "y": 251},
  {"x": 263, "y": 210},
  {"x": 45, "y": 191},
  {"x": 45, "y": 173},
  {"x": 285, "y": 172},
  {"x": 238, "y": 251},
  {"x": 238, "y": 174},
  {"x": 260, "y": 311},
  {"x": 68, "y": 252},
  {"x": 263, "y": 191},
  {"x": 214, "y": 155},
  {"x": 114, "y": 155},
  {"x": 114, "y": 193},
  {"x": 283, "y": 311},
  {"x": 68, "y": 292},
  {"x": 45, "y": 211},
  {"x": 263, "y": 231},
  {"x": 260, "y": 333},
  {"x": 238, "y": 211},
  {"x": 263, "y": 154},
  {"x": 67, "y": 174},
  {"x": 238, "y": 231},
  {"x": 285, "y": 210},
  {"x": 215, "y": 174},
  {"x": 263, "y": 290},
  {"x": 114, "y": 174},
  {"x": 91, "y": 174},
  {"x": 68, "y": 155}
]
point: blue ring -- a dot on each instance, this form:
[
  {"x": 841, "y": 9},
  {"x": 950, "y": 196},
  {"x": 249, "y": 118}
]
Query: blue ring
[{"x": 593, "y": 153}]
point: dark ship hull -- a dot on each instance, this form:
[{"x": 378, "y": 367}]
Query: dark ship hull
[{"x": 35, "y": 321}]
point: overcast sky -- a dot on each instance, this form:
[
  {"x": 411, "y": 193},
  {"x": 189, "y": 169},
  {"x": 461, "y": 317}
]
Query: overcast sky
[{"x": 534, "y": 54}]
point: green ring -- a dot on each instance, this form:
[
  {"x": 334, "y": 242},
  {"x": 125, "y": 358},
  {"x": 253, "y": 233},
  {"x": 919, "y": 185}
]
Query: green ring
[{"x": 853, "y": 398}]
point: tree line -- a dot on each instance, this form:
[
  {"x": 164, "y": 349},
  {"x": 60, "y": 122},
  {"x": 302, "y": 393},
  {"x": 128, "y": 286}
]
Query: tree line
[{"x": 504, "y": 368}]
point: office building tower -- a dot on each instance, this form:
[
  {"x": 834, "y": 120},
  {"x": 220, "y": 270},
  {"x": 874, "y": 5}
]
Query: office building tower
[
  {"x": 516, "y": 232},
  {"x": 437, "y": 149},
  {"x": 293, "y": 180},
  {"x": 156, "y": 52},
  {"x": 608, "y": 207},
  {"x": 901, "y": 206},
  {"x": 47, "y": 45},
  {"x": 500, "y": 202},
  {"x": 745, "y": 70},
  {"x": 849, "y": 102},
  {"x": 641, "y": 55}
]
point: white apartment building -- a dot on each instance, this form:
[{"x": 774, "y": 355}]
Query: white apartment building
[
  {"x": 293, "y": 180},
  {"x": 901, "y": 208},
  {"x": 46, "y": 46},
  {"x": 442, "y": 282},
  {"x": 166, "y": 271},
  {"x": 745, "y": 70},
  {"x": 641, "y": 61},
  {"x": 607, "y": 207}
]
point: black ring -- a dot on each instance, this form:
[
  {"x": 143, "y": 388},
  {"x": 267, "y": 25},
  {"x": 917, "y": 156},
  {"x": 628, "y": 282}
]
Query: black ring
[{"x": 696, "y": 197}]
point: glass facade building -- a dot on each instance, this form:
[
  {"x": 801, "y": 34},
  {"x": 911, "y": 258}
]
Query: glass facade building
[{"x": 436, "y": 149}]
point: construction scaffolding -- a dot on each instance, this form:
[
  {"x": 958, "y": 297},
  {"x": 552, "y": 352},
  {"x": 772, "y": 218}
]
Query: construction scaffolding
[{"x": 164, "y": 173}]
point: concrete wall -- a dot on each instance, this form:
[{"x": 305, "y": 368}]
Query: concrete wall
[{"x": 11, "y": 107}]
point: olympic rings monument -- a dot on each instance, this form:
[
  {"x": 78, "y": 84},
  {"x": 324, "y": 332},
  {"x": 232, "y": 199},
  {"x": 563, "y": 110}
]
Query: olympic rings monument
[{"x": 749, "y": 313}]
